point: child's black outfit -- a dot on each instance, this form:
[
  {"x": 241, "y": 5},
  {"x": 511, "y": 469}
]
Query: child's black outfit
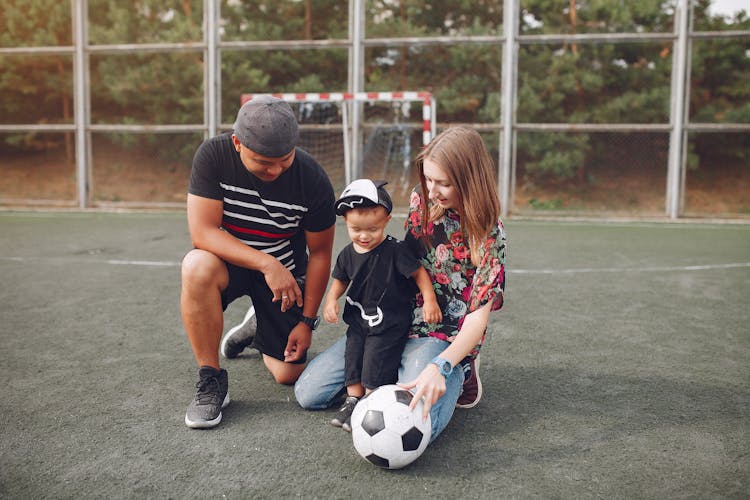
[{"x": 379, "y": 309}]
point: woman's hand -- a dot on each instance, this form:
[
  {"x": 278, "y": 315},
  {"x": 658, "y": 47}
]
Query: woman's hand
[{"x": 429, "y": 385}]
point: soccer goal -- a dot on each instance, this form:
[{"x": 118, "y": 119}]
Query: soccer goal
[{"x": 392, "y": 127}]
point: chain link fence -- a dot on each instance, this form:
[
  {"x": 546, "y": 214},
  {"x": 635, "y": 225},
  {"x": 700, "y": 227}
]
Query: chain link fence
[{"x": 657, "y": 141}]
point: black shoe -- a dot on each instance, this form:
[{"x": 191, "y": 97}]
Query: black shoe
[
  {"x": 240, "y": 336},
  {"x": 213, "y": 395},
  {"x": 343, "y": 417}
]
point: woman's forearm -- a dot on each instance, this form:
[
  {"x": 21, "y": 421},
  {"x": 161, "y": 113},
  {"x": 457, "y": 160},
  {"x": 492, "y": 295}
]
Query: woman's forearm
[{"x": 474, "y": 326}]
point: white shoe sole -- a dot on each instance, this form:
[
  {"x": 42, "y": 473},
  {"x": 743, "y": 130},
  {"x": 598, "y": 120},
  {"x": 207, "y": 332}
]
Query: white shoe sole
[
  {"x": 207, "y": 424},
  {"x": 479, "y": 387},
  {"x": 249, "y": 314}
]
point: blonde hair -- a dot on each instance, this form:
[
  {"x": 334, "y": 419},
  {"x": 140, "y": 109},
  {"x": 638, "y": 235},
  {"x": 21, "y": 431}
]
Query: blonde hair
[{"x": 460, "y": 152}]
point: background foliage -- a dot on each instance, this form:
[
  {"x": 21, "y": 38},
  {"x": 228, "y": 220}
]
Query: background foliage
[{"x": 558, "y": 83}]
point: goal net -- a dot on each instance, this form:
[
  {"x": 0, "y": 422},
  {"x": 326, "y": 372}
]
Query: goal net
[{"x": 365, "y": 134}]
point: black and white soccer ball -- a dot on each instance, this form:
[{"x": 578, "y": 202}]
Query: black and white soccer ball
[{"x": 384, "y": 430}]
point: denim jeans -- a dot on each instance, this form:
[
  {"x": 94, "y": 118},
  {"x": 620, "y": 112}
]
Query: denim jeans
[{"x": 323, "y": 379}]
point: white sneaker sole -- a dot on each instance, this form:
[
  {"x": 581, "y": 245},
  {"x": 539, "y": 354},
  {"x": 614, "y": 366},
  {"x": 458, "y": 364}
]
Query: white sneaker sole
[
  {"x": 207, "y": 424},
  {"x": 249, "y": 314},
  {"x": 479, "y": 387}
]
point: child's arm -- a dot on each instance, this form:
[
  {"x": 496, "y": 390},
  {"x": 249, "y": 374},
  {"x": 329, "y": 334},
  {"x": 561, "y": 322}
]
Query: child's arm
[
  {"x": 331, "y": 308},
  {"x": 430, "y": 309}
]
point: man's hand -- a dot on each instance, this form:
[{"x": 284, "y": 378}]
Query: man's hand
[
  {"x": 283, "y": 285},
  {"x": 300, "y": 339}
]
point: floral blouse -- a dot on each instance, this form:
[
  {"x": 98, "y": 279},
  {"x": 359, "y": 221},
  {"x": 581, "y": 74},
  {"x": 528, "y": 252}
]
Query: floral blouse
[{"x": 460, "y": 286}]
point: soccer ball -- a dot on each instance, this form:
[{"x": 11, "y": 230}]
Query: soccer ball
[{"x": 386, "y": 432}]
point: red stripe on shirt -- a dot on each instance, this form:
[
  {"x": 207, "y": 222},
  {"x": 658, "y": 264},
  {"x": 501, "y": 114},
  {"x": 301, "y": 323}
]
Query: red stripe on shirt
[{"x": 257, "y": 232}]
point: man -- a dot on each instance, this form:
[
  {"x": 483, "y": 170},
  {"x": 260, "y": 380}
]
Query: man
[{"x": 256, "y": 207}]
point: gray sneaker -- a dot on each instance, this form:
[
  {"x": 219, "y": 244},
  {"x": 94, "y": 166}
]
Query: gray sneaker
[
  {"x": 240, "y": 336},
  {"x": 212, "y": 396}
]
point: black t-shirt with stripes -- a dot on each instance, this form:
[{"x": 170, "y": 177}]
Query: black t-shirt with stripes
[{"x": 269, "y": 216}]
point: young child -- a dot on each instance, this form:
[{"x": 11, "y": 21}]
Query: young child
[{"x": 379, "y": 272}]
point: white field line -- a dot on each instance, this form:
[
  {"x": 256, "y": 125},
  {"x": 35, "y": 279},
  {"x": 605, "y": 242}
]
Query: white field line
[
  {"x": 582, "y": 270},
  {"x": 628, "y": 269},
  {"x": 147, "y": 263},
  {"x": 113, "y": 262}
]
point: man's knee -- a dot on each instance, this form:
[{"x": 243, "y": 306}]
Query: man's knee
[{"x": 202, "y": 268}]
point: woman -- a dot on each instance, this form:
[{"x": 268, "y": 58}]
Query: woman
[{"x": 457, "y": 232}]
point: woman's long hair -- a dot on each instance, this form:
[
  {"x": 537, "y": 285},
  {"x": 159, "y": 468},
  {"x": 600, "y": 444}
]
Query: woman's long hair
[{"x": 460, "y": 152}]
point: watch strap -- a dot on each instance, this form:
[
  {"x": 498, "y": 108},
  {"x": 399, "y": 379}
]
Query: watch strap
[
  {"x": 443, "y": 365},
  {"x": 311, "y": 322}
]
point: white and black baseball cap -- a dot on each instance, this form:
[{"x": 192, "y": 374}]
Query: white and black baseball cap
[
  {"x": 267, "y": 125},
  {"x": 363, "y": 193}
]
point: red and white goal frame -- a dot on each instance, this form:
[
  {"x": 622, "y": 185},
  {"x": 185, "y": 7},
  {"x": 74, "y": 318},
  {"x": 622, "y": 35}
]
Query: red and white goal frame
[{"x": 351, "y": 155}]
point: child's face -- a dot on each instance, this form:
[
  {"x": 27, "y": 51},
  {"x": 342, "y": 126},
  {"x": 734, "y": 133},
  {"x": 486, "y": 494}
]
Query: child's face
[{"x": 366, "y": 227}]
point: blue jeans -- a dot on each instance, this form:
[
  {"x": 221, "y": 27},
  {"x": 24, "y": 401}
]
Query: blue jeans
[{"x": 323, "y": 379}]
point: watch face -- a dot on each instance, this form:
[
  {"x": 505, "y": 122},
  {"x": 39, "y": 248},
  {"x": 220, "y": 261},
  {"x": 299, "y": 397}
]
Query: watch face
[
  {"x": 443, "y": 365},
  {"x": 311, "y": 322}
]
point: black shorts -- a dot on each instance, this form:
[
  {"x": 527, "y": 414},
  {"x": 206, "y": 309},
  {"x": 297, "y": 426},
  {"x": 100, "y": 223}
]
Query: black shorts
[
  {"x": 273, "y": 325},
  {"x": 373, "y": 360}
]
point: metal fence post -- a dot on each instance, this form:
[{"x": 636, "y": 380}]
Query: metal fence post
[
  {"x": 356, "y": 76},
  {"x": 508, "y": 102},
  {"x": 675, "y": 166},
  {"x": 211, "y": 72},
  {"x": 80, "y": 107}
]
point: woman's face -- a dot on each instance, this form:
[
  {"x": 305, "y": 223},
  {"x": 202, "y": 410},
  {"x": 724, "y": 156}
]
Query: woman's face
[{"x": 439, "y": 187}]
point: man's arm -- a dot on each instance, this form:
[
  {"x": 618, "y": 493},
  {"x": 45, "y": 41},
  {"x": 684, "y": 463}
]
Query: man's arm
[
  {"x": 320, "y": 247},
  {"x": 204, "y": 222}
]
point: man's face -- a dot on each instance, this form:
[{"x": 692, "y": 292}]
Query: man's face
[{"x": 264, "y": 168}]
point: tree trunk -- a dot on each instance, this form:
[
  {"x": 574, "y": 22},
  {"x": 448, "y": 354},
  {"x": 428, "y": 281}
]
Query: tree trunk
[
  {"x": 65, "y": 102},
  {"x": 404, "y": 50},
  {"x": 580, "y": 98},
  {"x": 308, "y": 20},
  {"x": 188, "y": 11},
  {"x": 573, "y": 23}
]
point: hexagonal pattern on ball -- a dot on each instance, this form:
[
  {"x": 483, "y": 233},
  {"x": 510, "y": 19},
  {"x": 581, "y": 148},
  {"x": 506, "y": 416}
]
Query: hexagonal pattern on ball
[{"x": 385, "y": 432}]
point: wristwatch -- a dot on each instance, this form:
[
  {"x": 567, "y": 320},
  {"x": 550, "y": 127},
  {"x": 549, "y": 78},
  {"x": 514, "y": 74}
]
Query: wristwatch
[
  {"x": 311, "y": 322},
  {"x": 443, "y": 365}
]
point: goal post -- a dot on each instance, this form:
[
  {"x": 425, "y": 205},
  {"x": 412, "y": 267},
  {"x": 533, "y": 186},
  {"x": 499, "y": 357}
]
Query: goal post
[{"x": 393, "y": 126}]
